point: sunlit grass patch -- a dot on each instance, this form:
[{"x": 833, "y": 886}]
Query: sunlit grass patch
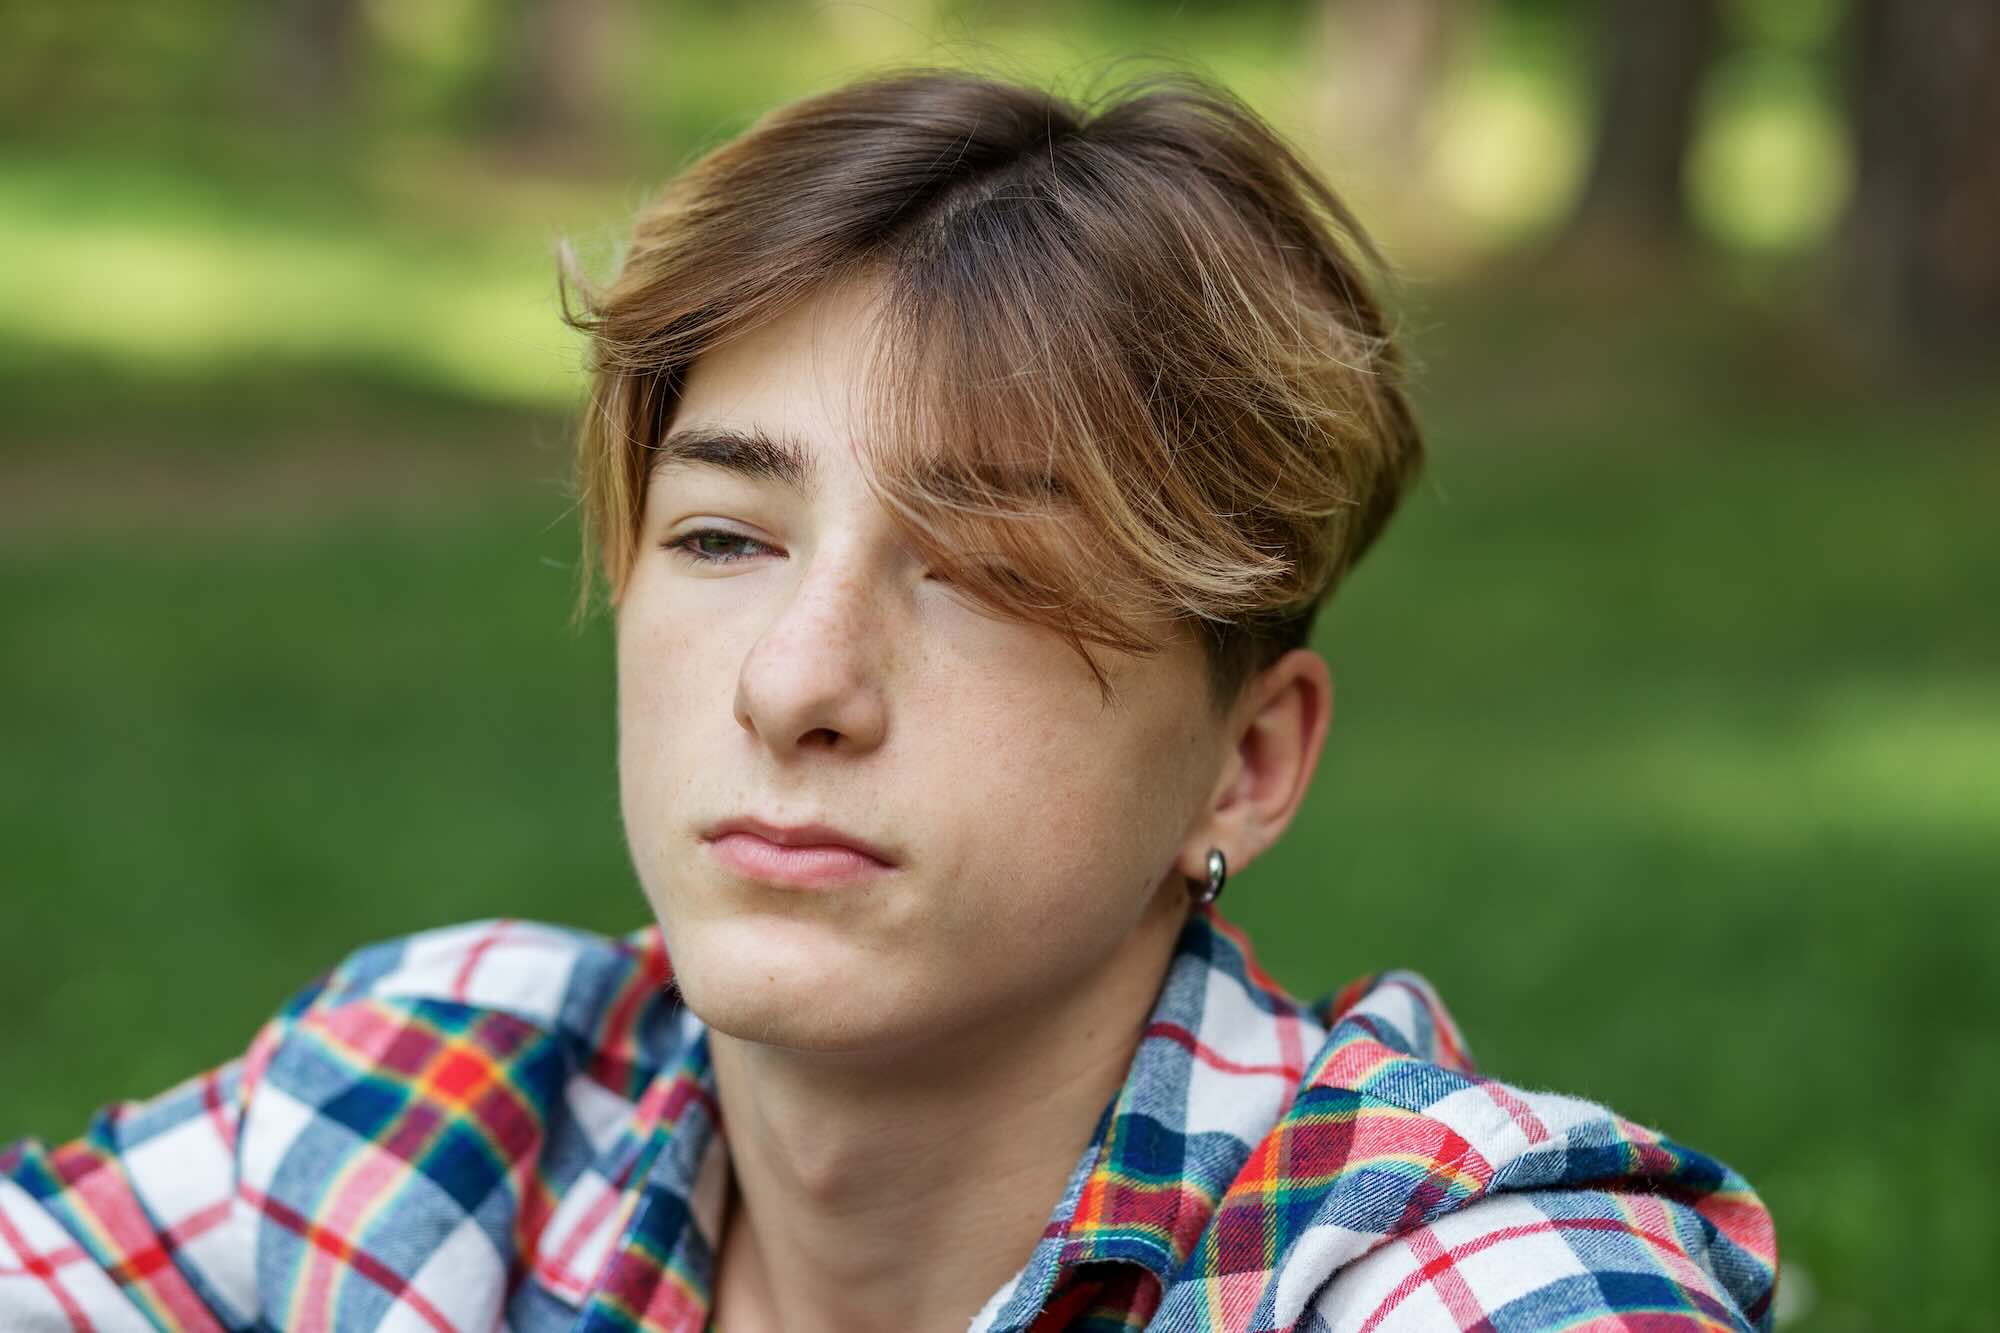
[{"x": 184, "y": 291}]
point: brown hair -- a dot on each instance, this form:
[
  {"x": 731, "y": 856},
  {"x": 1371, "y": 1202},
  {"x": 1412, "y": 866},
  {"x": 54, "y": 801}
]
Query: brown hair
[{"x": 1133, "y": 376}]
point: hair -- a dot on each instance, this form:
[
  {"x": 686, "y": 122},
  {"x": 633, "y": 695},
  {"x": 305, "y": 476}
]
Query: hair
[{"x": 1131, "y": 375}]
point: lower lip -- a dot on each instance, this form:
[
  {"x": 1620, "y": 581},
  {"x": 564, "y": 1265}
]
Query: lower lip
[{"x": 820, "y": 867}]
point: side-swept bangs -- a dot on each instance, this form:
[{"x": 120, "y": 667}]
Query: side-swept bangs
[{"x": 1128, "y": 378}]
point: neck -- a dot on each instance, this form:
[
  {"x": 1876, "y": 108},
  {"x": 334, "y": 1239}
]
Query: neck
[{"x": 872, "y": 1193}]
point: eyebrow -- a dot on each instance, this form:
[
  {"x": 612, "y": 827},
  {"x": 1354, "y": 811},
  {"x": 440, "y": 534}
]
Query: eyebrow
[{"x": 747, "y": 452}]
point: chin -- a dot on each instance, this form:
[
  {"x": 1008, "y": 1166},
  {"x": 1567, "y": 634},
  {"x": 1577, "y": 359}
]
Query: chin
[
  {"x": 790, "y": 984},
  {"x": 783, "y": 1029}
]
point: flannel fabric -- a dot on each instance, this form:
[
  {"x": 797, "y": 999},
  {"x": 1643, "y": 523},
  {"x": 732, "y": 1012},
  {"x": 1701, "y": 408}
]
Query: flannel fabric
[{"x": 510, "y": 1125}]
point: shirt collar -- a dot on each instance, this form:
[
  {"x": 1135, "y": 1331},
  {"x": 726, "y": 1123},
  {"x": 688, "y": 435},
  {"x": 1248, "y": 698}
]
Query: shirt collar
[{"x": 1218, "y": 1064}]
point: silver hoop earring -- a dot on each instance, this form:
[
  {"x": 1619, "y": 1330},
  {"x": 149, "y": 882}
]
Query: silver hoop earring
[{"x": 1218, "y": 874}]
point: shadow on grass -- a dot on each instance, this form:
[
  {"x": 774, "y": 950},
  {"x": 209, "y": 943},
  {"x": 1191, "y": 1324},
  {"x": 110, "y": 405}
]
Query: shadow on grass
[{"x": 93, "y": 443}]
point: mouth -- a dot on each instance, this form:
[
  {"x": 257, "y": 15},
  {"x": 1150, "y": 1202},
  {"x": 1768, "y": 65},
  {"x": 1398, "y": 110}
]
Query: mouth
[{"x": 806, "y": 856}]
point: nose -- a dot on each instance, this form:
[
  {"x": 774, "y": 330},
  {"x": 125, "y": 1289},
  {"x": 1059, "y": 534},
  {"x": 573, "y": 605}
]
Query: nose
[{"x": 814, "y": 678}]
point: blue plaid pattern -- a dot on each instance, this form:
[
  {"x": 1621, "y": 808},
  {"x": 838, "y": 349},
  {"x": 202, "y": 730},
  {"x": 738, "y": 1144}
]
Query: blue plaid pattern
[{"x": 513, "y": 1125}]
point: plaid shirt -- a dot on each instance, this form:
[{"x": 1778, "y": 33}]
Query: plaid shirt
[{"x": 507, "y": 1125}]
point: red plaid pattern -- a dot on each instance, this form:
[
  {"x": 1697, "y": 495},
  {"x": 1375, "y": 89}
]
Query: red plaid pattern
[{"x": 509, "y": 1125}]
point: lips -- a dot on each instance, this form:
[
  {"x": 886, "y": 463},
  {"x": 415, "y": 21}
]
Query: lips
[
  {"x": 799, "y": 835},
  {"x": 806, "y": 856}
]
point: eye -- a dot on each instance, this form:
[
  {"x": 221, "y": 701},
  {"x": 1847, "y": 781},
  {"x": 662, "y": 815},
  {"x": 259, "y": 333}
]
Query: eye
[{"x": 699, "y": 546}]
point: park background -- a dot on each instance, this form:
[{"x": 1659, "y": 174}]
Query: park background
[{"x": 1667, "y": 737}]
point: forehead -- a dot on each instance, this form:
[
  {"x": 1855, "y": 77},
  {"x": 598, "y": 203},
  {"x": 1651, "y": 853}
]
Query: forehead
[{"x": 798, "y": 377}]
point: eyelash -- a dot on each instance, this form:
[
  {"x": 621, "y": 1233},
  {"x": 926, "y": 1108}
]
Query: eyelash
[{"x": 686, "y": 544}]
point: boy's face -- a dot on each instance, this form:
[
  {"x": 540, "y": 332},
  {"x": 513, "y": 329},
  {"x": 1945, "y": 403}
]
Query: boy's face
[{"x": 818, "y": 675}]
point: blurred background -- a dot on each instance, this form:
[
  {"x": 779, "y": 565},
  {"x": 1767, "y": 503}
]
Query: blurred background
[{"x": 1667, "y": 738}]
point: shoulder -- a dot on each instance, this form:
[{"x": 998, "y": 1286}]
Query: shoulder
[
  {"x": 435, "y": 1012},
  {"x": 545, "y": 974},
  {"x": 1544, "y": 1260},
  {"x": 459, "y": 1083},
  {"x": 1416, "y": 1183},
  {"x": 452, "y": 1082}
]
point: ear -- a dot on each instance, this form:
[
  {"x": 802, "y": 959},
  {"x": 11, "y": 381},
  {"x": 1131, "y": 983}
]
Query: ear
[{"x": 1279, "y": 728}]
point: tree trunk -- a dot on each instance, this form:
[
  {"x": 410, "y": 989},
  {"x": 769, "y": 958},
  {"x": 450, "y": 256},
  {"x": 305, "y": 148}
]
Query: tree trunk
[
  {"x": 556, "y": 55},
  {"x": 1922, "y": 237},
  {"x": 315, "y": 45},
  {"x": 1384, "y": 60},
  {"x": 1654, "y": 55}
]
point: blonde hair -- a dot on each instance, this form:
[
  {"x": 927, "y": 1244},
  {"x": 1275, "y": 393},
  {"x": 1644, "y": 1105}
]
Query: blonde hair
[{"x": 1142, "y": 322}]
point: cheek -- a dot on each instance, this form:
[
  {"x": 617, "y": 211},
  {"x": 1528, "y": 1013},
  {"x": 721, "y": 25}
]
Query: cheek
[
  {"x": 645, "y": 687},
  {"x": 668, "y": 658},
  {"x": 657, "y": 689},
  {"x": 1067, "y": 811}
]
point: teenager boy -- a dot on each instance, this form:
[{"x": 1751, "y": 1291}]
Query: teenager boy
[{"x": 967, "y": 467}]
